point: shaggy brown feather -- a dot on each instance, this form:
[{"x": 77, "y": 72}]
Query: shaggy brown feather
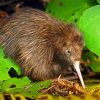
[{"x": 43, "y": 46}]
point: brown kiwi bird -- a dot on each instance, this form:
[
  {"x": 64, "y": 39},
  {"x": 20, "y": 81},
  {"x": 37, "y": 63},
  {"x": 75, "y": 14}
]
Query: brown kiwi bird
[{"x": 43, "y": 46}]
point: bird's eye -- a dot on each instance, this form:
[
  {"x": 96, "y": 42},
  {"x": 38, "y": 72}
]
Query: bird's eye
[{"x": 68, "y": 52}]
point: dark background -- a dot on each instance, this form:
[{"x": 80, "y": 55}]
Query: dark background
[{"x": 10, "y": 5}]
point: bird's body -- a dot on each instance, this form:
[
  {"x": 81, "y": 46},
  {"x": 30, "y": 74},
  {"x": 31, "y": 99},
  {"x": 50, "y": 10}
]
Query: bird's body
[{"x": 43, "y": 46}]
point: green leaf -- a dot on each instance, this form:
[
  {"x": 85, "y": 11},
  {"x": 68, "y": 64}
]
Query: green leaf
[
  {"x": 14, "y": 83},
  {"x": 93, "y": 59},
  {"x": 23, "y": 86},
  {"x": 95, "y": 66},
  {"x": 5, "y": 65},
  {"x": 89, "y": 56},
  {"x": 68, "y": 10},
  {"x": 89, "y": 24},
  {"x": 98, "y": 1}
]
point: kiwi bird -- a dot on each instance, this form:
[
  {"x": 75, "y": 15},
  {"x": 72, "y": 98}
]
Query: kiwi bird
[{"x": 43, "y": 46}]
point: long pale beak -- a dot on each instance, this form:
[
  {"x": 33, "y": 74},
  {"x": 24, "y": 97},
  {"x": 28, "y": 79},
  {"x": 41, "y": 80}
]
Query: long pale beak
[{"x": 76, "y": 66}]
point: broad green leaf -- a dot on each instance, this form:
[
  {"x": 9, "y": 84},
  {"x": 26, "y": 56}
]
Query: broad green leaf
[
  {"x": 68, "y": 10},
  {"x": 14, "y": 83},
  {"x": 98, "y": 1},
  {"x": 5, "y": 65},
  {"x": 89, "y": 25},
  {"x": 23, "y": 86}
]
